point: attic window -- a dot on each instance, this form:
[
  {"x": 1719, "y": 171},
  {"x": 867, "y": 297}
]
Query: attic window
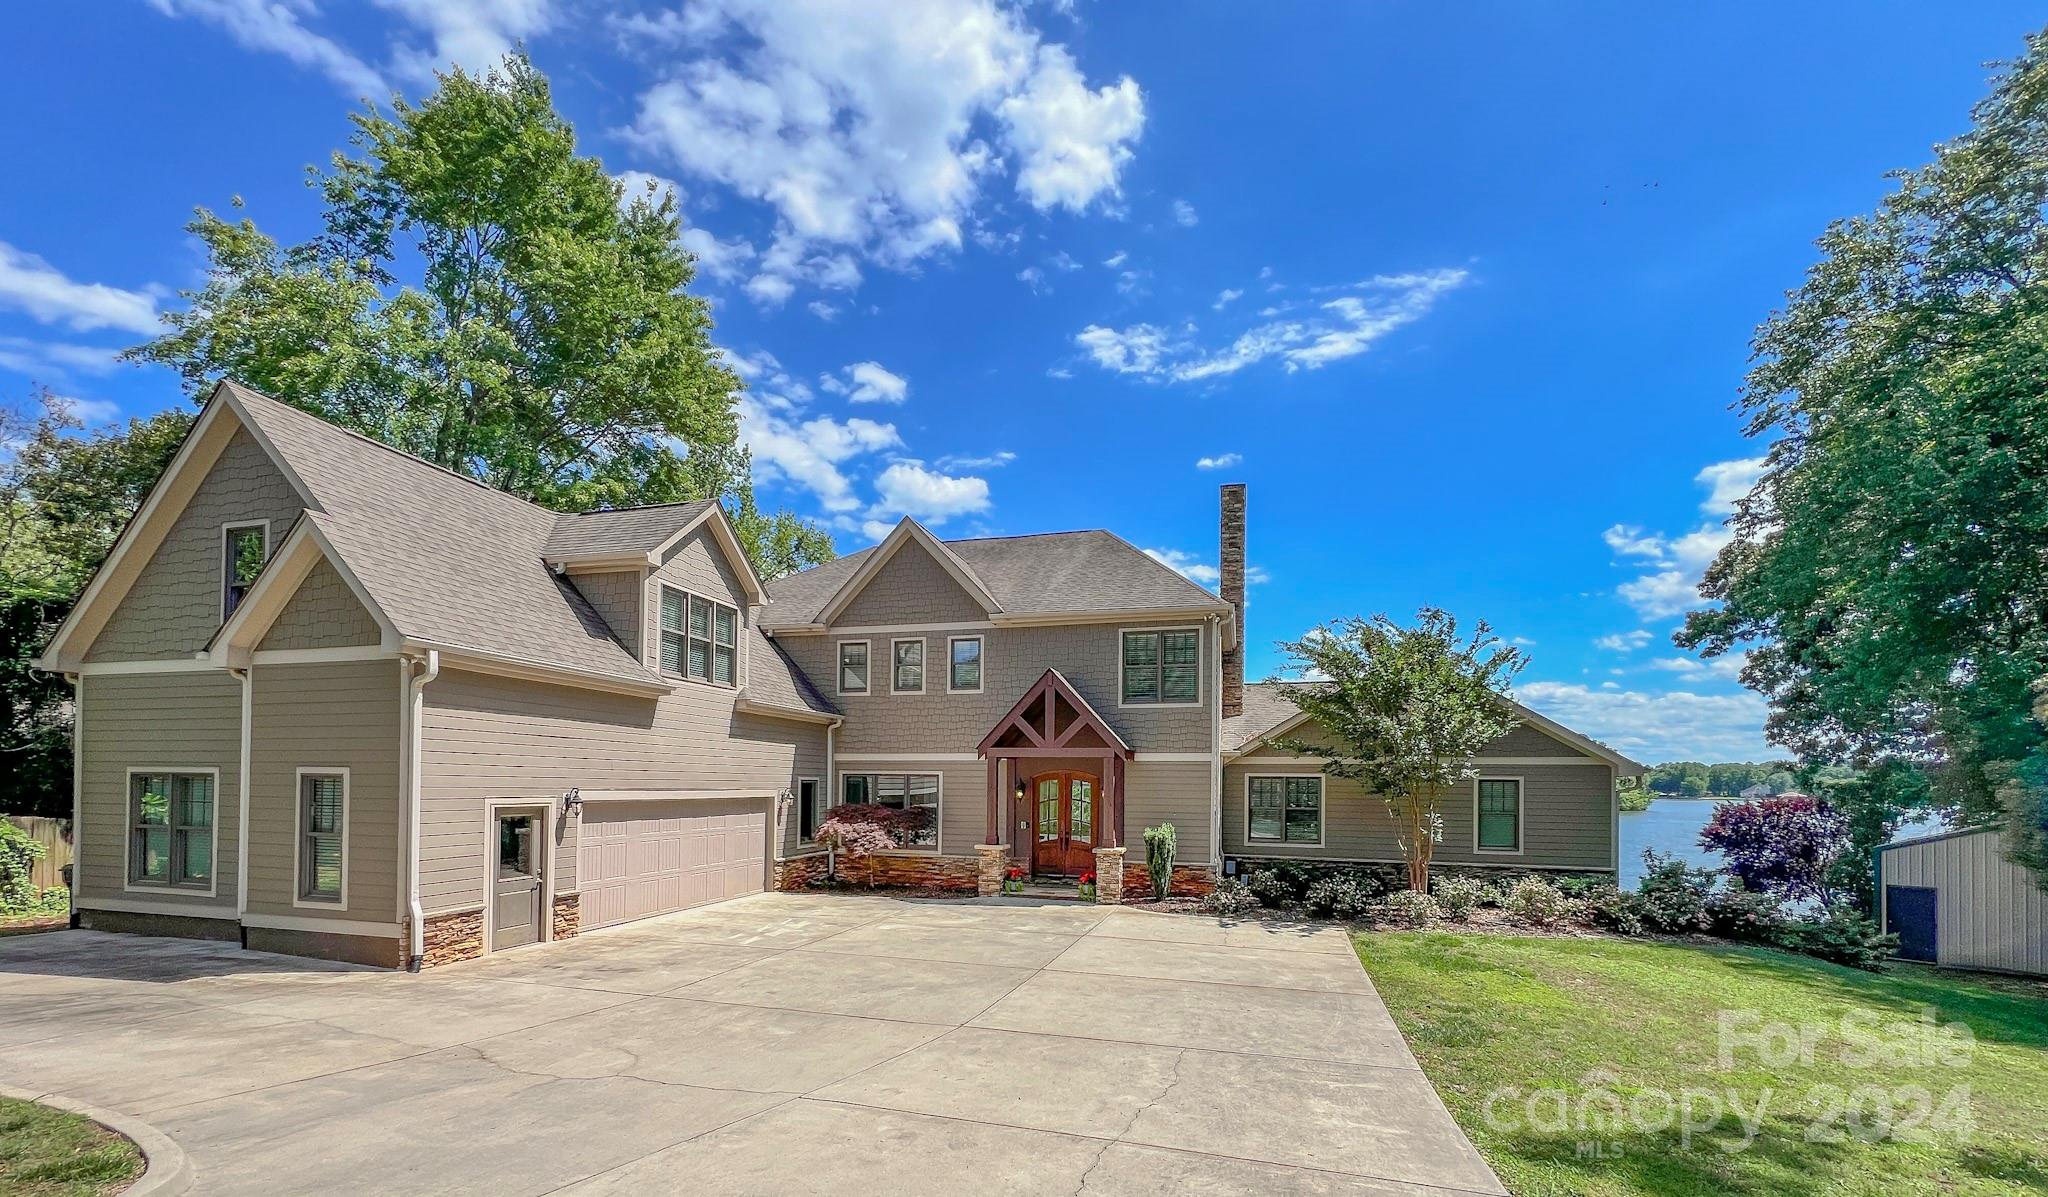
[
  {"x": 244, "y": 548},
  {"x": 699, "y": 637}
]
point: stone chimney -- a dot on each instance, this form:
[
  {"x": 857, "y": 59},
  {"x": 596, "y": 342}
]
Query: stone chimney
[{"x": 1232, "y": 562}]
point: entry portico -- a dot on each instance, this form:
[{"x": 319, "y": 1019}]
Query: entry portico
[{"x": 1062, "y": 766}]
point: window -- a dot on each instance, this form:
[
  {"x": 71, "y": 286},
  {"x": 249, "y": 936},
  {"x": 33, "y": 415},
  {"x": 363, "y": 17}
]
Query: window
[
  {"x": 244, "y": 547},
  {"x": 171, "y": 829},
  {"x": 1163, "y": 667},
  {"x": 1499, "y": 821},
  {"x": 853, "y": 667},
  {"x": 963, "y": 654},
  {"x": 900, "y": 791},
  {"x": 908, "y": 666},
  {"x": 699, "y": 637},
  {"x": 323, "y": 834},
  {"x": 1284, "y": 810},
  {"x": 809, "y": 809}
]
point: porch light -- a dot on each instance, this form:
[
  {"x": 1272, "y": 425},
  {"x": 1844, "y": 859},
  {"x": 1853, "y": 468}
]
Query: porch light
[
  {"x": 572, "y": 803},
  {"x": 1022, "y": 790}
]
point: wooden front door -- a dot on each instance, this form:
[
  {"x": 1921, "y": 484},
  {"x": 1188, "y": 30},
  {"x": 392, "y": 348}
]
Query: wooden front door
[{"x": 1067, "y": 818}]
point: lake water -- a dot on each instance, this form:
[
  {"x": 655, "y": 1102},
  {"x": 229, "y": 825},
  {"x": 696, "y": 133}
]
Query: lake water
[{"x": 1672, "y": 826}]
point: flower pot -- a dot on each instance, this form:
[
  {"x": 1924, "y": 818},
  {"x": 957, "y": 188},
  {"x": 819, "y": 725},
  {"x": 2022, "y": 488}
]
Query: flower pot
[{"x": 1087, "y": 893}]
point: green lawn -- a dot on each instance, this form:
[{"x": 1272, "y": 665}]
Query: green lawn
[
  {"x": 1571, "y": 1019},
  {"x": 49, "y": 1153}
]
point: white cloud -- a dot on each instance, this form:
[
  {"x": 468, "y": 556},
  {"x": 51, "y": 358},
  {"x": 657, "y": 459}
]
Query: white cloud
[
  {"x": 1678, "y": 725},
  {"x": 1226, "y": 297},
  {"x": 1727, "y": 667},
  {"x": 1184, "y": 214},
  {"x": 29, "y": 284},
  {"x": 873, "y": 139},
  {"x": 987, "y": 461},
  {"x": 1063, "y": 261},
  {"x": 1623, "y": 642},
  {"x": 822, "y": 310},
  {"x": 274, "y": 27},
  {"x": 93, "y": 411},
  {"x": 1727, "y": 483},
  {"x": 1222, "y": 461},
  {"x": 1116, "y": 259},
  {"x": 1677, "y": 563},
  {"x": 471, "y": 34},
  {"x": 722, "y": 260},
  {"x": 1521, "y": 642},
  {"x": 54, "y": 358},
  {"x": 930, "y": 496},
  {"x": 810, "y": 452},
  {"x": 866, "y": 382},
  {"x": 638, "y": 184},
  {"x": 1186, "y": 565},
  {"x": 1661, "y": 595},
  {"x": 1343, "y": 327},
  {"x": 1034, "y": 278}
]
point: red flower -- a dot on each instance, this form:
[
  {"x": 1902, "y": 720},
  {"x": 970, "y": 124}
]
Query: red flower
[
  {"x": 1087, "y": 879},
  {"x": 1014, "y": 873}
]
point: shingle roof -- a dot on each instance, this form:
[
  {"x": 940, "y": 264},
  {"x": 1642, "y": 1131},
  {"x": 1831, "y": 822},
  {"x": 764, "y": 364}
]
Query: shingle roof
[
  {"x": 1049, "y": 574},
  {"x": 1265, "y": 708},
  {"x": 773, "y": 679},
  {"x": 620, "y": 531}
]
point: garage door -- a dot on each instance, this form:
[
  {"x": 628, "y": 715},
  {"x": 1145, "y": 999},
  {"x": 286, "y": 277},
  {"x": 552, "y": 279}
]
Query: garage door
[{"x": 636, "y": 859}]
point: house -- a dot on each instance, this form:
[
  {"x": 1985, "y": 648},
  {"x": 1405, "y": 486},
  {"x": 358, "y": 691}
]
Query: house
[
  {"x": 335, "y": 701},
  {"x": 1754, "y": 792}
]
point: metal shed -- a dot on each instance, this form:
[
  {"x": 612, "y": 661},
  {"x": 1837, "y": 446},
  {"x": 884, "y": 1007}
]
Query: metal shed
[{"x": 1955, "y": 900}]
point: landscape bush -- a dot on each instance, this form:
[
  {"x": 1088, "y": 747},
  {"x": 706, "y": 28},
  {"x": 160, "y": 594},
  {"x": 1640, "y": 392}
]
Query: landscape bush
[
  {"x": 859, "y": 830},
  {"x": 1733, "y": 912},
  {"x": 1613, "y": 909},
  {"x": 1534, "y": 900},
  {"x": 1341, "y": 896},
  {"x": 1159, "y": 850},
  {"x": 19, "y": 853},
  {"x": 1409, "y": 907},
  {"x": 1457, "y": 896},
  {"x": 1230, "y": 898},
  {"x": 1840, "y": 935},
  {"x": 1673, "y": 894},
  {"x": 1272, "y": 888}
]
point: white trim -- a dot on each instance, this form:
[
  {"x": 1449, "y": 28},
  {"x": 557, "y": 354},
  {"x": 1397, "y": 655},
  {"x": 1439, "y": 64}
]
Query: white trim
[
  {"x": 315, "y": 656},
  {"x": 884, "y": 757},
  {"x": 235, "y": 641},
  {"x": 1435, "y": 863},
  {"x": 883, "y": 629},
  {"x": 1322, "y": 810},
  {"x": 546, "y": 845},
  {"x": 1521, "y": 815},
  {"x": 299, "y": 898},
  {"x": 672, "y": 795},
  {"x": 980, "y": 664},
  {"x": 286, "y": 922},
  {"x": 1172, "y": 758},
  {"x": 824, "y": 804},
  {"x": 174, "y": 665},
  {"x": 145, "y": 906},
  {"x": 1202, "y": 656},
  {"x": 1275, "y": 760},
  {"x": 924, "y": 668},
  {"x": 498, "y": 665},
  {"x": 744, "y": 703},
  {"x": 128, "y": 882},
  {"x": 412, "y": 694},
  {"x": 78, "y": 788},
  {"x": 938, "y": 812},
  {"x": 839, "y": 668},
  {"x": 248, "y": 679},
  {"x": 1000, "y": 620},
  {"x": 739, "y": 630},
  {"x": 222, "y": 542},
  {"x": 1478, "y": 763}
]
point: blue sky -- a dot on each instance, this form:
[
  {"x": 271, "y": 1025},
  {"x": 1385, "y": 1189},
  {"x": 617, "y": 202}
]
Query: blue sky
[{"x": 1463, "y": 295}]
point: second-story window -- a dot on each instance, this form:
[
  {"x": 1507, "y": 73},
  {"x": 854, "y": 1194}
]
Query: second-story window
[
  {"x": 244, "y": 548},
  {"x": 853, "y": 667},
  {"x": 963, "y": 664},
  {"x": 1162, "y": 667},
  {"x": 907, "y": 660},
  {"x": 699, "y": 637}
]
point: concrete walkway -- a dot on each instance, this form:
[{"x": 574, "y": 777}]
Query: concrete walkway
[{"x": 777, "y": 1044}]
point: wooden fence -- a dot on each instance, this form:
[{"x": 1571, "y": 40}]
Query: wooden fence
[{"x": 48, "y": 871}]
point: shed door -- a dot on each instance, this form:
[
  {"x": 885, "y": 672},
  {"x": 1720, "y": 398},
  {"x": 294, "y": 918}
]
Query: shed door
[
  {"x": 637, "y": 859},
  {"x": 1910, "y": 914}
]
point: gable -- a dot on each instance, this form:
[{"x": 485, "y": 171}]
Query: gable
[
  {"x": 173, "y": 606},
  {"x": 697, "y": 564},
  {"x": 911, "y": 587},
  {"x": 322, "y": 613}
]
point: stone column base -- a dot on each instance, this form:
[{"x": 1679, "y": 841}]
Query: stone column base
[
  {"x": 990, "y": 862},
  {"x": 1109, "y": 876}
]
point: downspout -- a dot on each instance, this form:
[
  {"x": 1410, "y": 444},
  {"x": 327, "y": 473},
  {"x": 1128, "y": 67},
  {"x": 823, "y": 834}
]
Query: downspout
[
  {"x": 245, "y": 675},
  {"x": 77, "y": 681},
  {"x": 416, "y": 701},
  {"x": 831, "y": 784},
  {"x": 1216, "y": 754}
]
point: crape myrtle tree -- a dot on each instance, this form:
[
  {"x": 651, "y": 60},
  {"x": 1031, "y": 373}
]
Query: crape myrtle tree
[
  {"x": 484, "y": 297},
  {"x": 1890, "y": 570},
  {"x": 1403, "y": 710}
]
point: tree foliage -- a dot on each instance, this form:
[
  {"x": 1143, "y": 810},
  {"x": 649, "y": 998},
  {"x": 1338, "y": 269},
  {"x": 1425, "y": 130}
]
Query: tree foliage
[
  {"x": 1784, "y": 846},
  {"x": 1891, "y": 567},
  {"x": 484, "y": 297},
  {"x": 1405, "y": 710}
]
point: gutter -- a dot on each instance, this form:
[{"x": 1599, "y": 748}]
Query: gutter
[
  {"x": 415, "y": 701},
  {"x": 245, "y": 675}
]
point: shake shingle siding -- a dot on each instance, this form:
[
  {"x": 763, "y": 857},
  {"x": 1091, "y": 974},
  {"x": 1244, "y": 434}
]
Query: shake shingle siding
[
  {"x": 695, "y": 564},
  {"x": 911, "y": 587},
  {"x": 174, "y": 607},
  {"x": 616, "y": 596},
  {"x": 322, "y": 613}
]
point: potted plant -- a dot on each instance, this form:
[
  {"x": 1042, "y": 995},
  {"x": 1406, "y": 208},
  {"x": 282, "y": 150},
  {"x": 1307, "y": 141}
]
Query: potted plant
[
  {"x": 1088, "y": 886},
  {"x": 1013, "y": 879}
]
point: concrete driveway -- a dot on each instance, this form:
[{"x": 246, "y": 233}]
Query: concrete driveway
[{"x": 776, "y": 1044}]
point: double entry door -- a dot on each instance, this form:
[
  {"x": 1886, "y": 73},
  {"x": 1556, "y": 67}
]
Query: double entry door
[{"x": 1066, "y": 821}]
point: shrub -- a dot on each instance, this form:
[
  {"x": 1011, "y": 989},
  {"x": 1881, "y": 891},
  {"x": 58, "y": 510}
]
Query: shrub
[
  {"x": 1271, "y": 888},
  {"x": 1231, "y": 898},
  {"x": 1674, "y": 894},
  {"x": 19, "y": 852},
  {"x": 1575, "y": 885},
  {"x": 1842, "y": 936},
  {"x": 1159, "y": 848},
  {"x": 1410, "y": 907},
  {"x": 1534, "y": 900},
  {"x": 1616, "y": 910},
  {"x": 858, "y": 830},
  {"x": 1341, "y": 896},
  {"x": 1456, "y": 896},
  {"x": 1736, "y": 913}
]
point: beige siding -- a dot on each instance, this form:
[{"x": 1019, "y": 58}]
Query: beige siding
[
  {"x": 911, "y": 587},
  {"x": 1175, "y": 792},
  {"x": 698, "y": 565},
  {"x": 322, "y": 613},
  {"x": 341, "y": 715},
  {"x": 1567, "y": 818},
  {"x": 174, "y": 606},
  {"x": 486, "y": 737},
  {"x": 155, "y": 720},
  {"x": 615, "y": 595},
  {"x": 1989, "y": 913},
  {"x": 1012, "y": 660}
]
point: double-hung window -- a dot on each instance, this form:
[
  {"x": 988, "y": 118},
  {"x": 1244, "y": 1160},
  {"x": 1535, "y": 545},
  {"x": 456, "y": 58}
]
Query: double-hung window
[
  {"x": 170, "y": 820},
  {"x": 907, "y": 666},
  {"x": 1163, "y": 667},
  {"x": 243, "y": 550},
  {"x": 1498, "y": 822},
  {"x": 699, "y": 637},
  {"x": 1284, "y": 810},
  {"x": 914, "y": 792},
  {"x": 963, "y": 664},
  {"x": 853, "y": 667},
  {"x": 323, "y": 834}
]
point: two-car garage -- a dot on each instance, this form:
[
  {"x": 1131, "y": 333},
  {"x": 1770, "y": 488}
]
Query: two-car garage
[{"x": 646, "y": 856}]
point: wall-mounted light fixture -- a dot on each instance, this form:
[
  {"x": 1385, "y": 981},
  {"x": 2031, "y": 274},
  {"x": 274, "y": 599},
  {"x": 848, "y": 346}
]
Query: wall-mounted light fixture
[{"x": 572, "y": 804}]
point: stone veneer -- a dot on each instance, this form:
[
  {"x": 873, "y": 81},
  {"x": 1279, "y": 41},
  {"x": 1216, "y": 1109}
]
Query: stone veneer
[
  {"x": 911, "y": 870},
  {"x": 990, "y": 860},
  {"x": 452, "y": 937},
  {"x": 799, "y": 872},
  {"x": 1189, "y": 881},
  {"x": 1109, "y": 876},
  {"x": 568, "y": 918}
]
